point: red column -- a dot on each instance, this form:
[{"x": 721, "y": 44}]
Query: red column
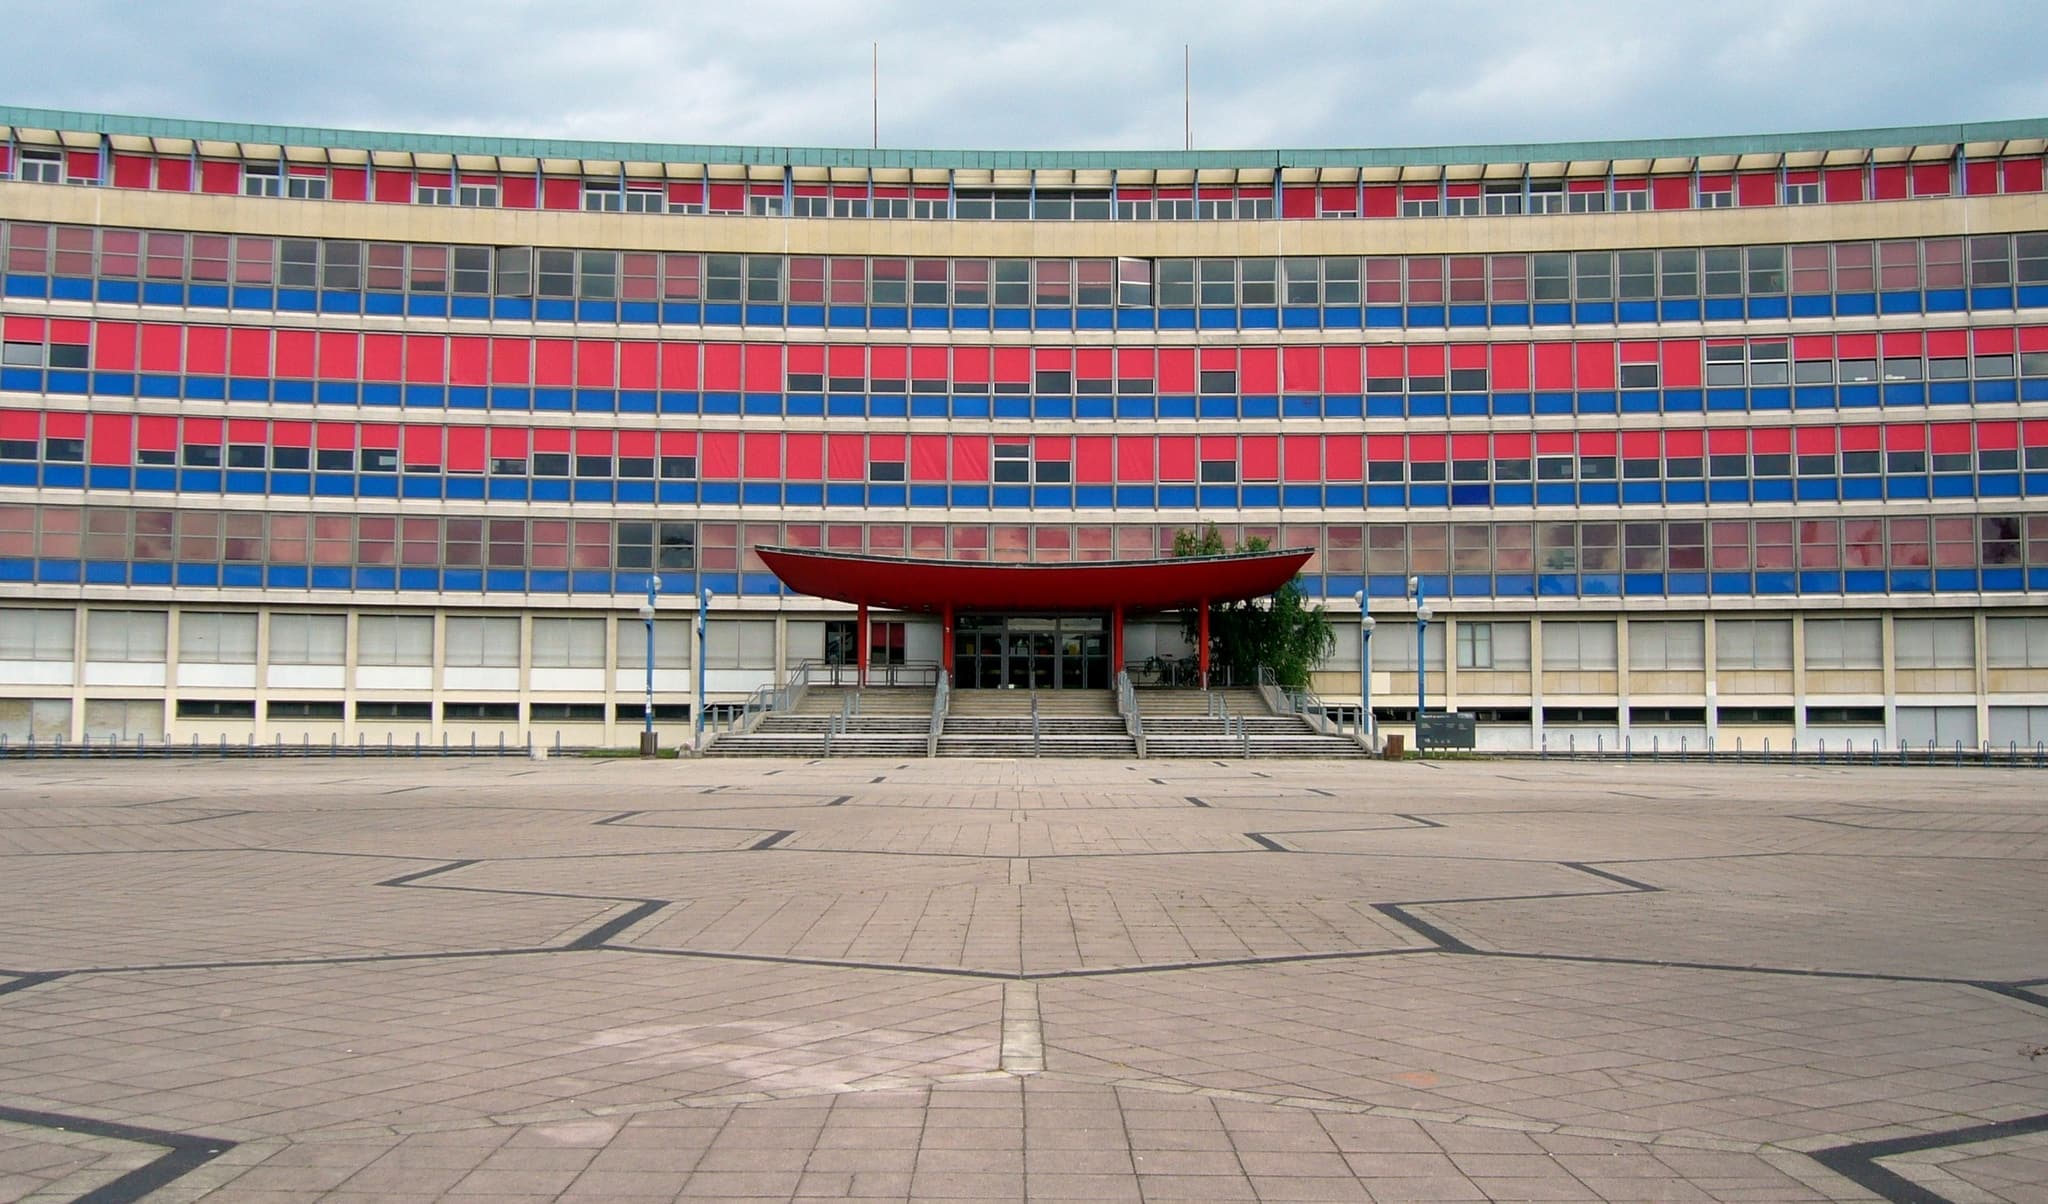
[
  {"x": 946, "y": 639},
  {"x": 1202, "y": 645},
  {"x": 1116, "y": 643},
  {"x": 861, "y": 648}
]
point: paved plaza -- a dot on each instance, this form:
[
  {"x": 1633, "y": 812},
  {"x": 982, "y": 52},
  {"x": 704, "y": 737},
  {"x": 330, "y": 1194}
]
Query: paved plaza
[{"x": 621, "y": 981}]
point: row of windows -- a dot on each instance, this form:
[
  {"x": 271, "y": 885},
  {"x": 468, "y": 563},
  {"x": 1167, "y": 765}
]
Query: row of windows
[
  {"x": 118, "y": 545},
  {"x": 255, "y": 264},
  {"x": 165, "y": 442},
  {"x": 302, "y": 638},
  {"x": 1440, "y": 198},
  {"x": 124, "y": 357}
]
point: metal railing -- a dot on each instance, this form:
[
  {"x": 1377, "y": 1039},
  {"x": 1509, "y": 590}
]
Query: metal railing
[
  {"x": 1847, "y": 752},
  {"x": 942, "y": 697},
  {"x": 911, "y": 673},
  {"x": 1034, "y": 723},
  {"x": 1181, "y": 672},
  {"x": 1305, "y": 703},
  {"x": 1127, "y": 706},
  {"x": 141, "y": 746}
]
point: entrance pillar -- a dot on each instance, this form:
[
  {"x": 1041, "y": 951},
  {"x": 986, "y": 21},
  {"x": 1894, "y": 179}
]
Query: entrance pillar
[
  {"x": 946, "y": 639},
  {"x": 1116, "y": 643},
  {"x": 1202, "y": 644},
  {"x": 860, "y": 656}
]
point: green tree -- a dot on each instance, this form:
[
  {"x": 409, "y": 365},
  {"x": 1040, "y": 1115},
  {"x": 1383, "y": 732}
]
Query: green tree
[{"x": 1280, "y": 631}]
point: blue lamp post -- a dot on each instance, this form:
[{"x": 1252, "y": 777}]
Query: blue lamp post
[
  {"x": 647, "y": 739},
  {"x": 1422, "y": 617},
  {"x": 1365, "y": 625},
  {"x": 703, "y": 617}
]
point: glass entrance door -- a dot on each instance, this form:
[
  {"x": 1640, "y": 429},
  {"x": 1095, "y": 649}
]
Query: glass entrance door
[{"x": 1031, "y": 652}]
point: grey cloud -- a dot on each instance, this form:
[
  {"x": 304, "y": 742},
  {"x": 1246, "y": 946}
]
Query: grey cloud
[{"x": 1061, "y": 73}]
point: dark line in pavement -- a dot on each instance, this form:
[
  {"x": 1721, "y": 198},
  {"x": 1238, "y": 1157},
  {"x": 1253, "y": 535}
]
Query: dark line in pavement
[
  {"x": 775, "y": 960},
  {"x": 841, "y": 801},
  {"x": 1423, "y": 928},
  {"x": 1321, "y": 791},
  {"x": 1266, "y": 842},
  {"x": 772, "y": 839},
  {"x": 876, "y": 781},
  {"x": 606, "y": 931},
  {"x": 419, "y": 875},
  {"x": 183, "y": 1152},
  {"x": 619, "y": 818},
  {"x": 24, "y": 979},
  {"x": 1197, "y": 802},
  {"x": 1858, "y": 1163},
  {"x": 1415, "y": 819},
  {"x": 1278, "y": 959},
  {"x": 1582, "y": 867}
]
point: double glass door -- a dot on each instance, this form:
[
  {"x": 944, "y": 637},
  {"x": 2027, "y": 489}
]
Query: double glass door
[{"x": 1031, "y": 652}]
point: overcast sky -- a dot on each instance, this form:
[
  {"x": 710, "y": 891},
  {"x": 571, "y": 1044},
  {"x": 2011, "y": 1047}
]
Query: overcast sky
[{"x": 1042, "y": 74}]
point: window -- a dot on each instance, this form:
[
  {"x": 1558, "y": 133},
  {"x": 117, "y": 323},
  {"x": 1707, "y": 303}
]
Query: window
[
  {"x": 885, "y": 472},
  {"x": 1219, "y": 472},
  {"x": 2017, "y": 643},
  {"x": 37, "y": 635},
  {"x": 488, "y": 643},
  {"x": 217, "y": 637},
  {"x": 477, "y": 196},
  {"x": 384, "y": 640},
  {"x": 262, "y": 180},
  {"x": 1570, "y": 646},
  {"x": 480, "y": 712},
  {"x": 330, "y": 709},
  {"x": 571, "y": 643},
  {"x": 672, "y": 643},
  {"x": 1424, "y": 207},
  {"x": 216, "y": 708},
  {"x": 1752, "y": 644},
  {"x": 605, "y": 197},
  {"x": 1546, "y": 197},
  {"x": 1720, "y": 197},
  {"x": 297, "y": 639},
  {"x": 427, "y": 194},
  {"x": 1802, "y": 194},
  {"x": 306, "y": 188},
  {"x": 134, "y": 636},
  {"x": 42, "y": 167},
  {"x": 1012, "y": 464},
  {"x": 1678, "y": 644},
  {"x": 398, "y": 712},
  {"x": 1842, "y": 644},
  {"x": 1506, "y": 646},
  {"x": 1503, "y": 199},
  {"x": 1934, "y": 643}
]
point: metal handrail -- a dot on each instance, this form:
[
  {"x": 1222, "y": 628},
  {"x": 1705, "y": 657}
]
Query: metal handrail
[
  {"x": 1034, "y": 723},
  {"x": 941, "y": 700},
  {"x": 1127, "y": 706},
  {"x": 1304, "y": 702}
]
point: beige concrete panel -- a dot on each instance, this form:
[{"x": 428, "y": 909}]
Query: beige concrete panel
[
  {"x": 847, "y": 236},
  {"x": 2002, "y": 681},
  {"x": 1936, "y": 681},
  {"x": 1754, "y": 681},
  {"x": 1686, "y": 683},
  {"x": 1486, "y": 683},
  {"x": 1594, "y": 682},
  {"x": 1844, "y": 681}
]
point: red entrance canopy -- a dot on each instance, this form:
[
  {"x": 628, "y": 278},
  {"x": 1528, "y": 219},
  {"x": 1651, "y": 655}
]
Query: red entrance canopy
[{"x": 931, "y": 586}]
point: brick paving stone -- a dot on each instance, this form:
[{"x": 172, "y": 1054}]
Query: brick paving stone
[{"x": 582, "y": 981}]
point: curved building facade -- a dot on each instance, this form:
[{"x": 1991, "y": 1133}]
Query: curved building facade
[{"x": 321, "y": 434}]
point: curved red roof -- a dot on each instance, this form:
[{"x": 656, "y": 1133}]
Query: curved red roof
[{"x": 901, "y": 583}]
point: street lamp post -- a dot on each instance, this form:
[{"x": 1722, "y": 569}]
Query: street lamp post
[
  {"x": 648, "y": 743},
  {"x": 1422, "y": 617},
  {"x": 697, "y": 714},
  {"x": 1365, "y": 625}
]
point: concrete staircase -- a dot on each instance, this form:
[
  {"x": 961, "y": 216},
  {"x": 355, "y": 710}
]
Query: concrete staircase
[
  {"x": 1071, "y": 723},
  {"x": 1178, "y": 723},
  {"x": 889, "y": 722}
]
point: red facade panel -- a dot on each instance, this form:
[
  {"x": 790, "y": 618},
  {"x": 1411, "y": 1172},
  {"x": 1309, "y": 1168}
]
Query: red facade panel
[{"x": 1176, "y": 455}]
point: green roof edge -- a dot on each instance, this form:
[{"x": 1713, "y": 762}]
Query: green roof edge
[{"x": 803, "y": 156}]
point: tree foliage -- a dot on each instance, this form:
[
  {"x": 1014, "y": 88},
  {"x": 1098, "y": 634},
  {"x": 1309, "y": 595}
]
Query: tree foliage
[{"x": 1280, "y": 631}]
